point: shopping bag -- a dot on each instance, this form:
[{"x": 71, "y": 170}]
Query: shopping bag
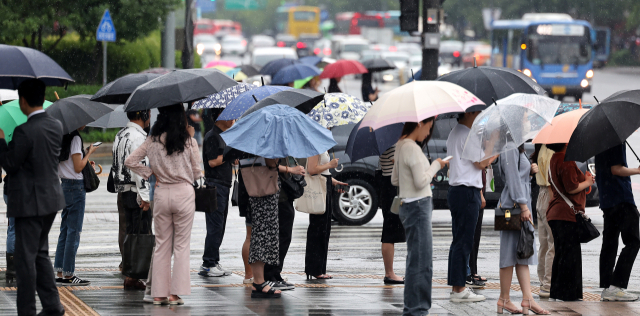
[
  {"x": 314, "y": 198},
  {"x": 525, "y": 244}
]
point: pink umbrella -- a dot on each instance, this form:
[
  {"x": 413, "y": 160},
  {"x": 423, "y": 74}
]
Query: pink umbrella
[{"x": 225, "y": 63}]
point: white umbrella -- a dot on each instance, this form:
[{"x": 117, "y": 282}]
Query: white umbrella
[
  {"x": 8, "y": 95},
  {"x": 418, "y": 100}
]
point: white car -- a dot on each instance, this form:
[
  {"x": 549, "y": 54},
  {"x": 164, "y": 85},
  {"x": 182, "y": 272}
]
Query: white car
[
  {"x": 207, "y": 44},
  {"x": 400, "y": 59},
  {"x": 350, "y": 47},
  {"x": 234, "y": 45},
  {"x": 262, "y": 55},
  {"x": 261, "y": 41}
]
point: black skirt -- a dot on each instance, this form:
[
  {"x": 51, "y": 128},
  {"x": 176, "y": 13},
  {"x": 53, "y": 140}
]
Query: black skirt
[{"x": 392, "y": 229}]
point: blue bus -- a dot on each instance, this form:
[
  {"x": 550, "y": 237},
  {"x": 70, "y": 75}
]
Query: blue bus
[
  {"x": 601, "y": 46},
  {"x": 553, "y": 49}
]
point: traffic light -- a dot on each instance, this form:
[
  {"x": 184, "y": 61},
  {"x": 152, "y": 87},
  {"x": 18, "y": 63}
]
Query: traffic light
[{"x": 409, "y": 15}]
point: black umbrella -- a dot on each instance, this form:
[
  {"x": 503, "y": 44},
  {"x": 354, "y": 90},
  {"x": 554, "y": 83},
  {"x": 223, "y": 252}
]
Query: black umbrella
[
  {"x": 606, "y": 125},
  {"x": 21, "y": 63},
  {"x": 119, "y": 90},
  {"x": 378, "y": 64},
  {"x": 492, "y": 83},
  {"x": 77, "y": 111},
  {"x": 118, "y": 118},
  {"x": 303, "y": 100},
  {"x": 272, "y": 67},
  {"x": 250, "y": 70},
  {"x": 179, "y": 86}
]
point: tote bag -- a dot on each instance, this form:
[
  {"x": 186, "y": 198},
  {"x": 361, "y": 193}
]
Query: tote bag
[
  {"x": 314, "y": 198},
  {"x": 260, "y": 181},
  {"x": 206, "y": 198},
  {"x": 136, "y": 254}
]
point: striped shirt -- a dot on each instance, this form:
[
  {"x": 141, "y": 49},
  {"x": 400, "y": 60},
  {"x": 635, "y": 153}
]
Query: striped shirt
[{"x": 386, "y": 161}]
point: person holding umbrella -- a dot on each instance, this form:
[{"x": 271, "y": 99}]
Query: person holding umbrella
[
  {"x": 368, "y": 93},
  {"x": 373, "y": 65}
]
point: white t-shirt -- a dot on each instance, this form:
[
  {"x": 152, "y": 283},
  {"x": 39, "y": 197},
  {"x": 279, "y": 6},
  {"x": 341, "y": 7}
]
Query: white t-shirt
[
  {"x": 323, "y": 160},
  {"x": 461, "y": 171},
  {"x": 65, "y": 168}
]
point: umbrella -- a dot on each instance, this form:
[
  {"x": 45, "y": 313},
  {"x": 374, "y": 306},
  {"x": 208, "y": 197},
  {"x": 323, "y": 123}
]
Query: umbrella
[
  {"x": 77, "y": 111},
  {"x": 119, "y": 90},
  {"x": 378, "y": 64},
  {"x": 342, "y": 68},
  {"x": 606, "y": 125},
  {"x": 415, "y": 76},
  {"x": 492, "y": 83},
  {"x": 21, "y": 63},
  {"x": 11, "y": 116},
  {"x": 157, "y": 70},
  {"x": 224, "y": 63},
  {"x": 249, "y": 70},
  {"x": 560, "y": 129},
  {"x": 272, "y": 67},
  {"x": 311, "y": 60},
  {"x": 339, "y": 109},
  {"x": 222, "y": 68},
  {"x": 508, "y": 124},
  {"x": 365, "y": 142},
  {"x": 244, "y": 101},
  {"x": 8, "y": 95},
  {"x": 222, "y": 98},
  {"x": 298, "y": 84},
  {"x": 303, "y": 100},
  {"x": 416, "y": 101},
  {"x": 179, "y": 86},
  {"x": 294, "y": 72},
  {"x": 118, "y": 118},
  {"x": 279, "y": 131}
]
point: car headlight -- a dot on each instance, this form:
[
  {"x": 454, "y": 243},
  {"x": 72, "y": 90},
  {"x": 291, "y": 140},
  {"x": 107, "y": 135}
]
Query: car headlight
[
  {"x": 217, "y": 47},
  {"x": 589, "y": 74},
  {"x": 387, "y": 77},
  {"x": 584, "y": 83},
  {"x": 200, "y": 48},
  {"x": 527, "y": 72}
]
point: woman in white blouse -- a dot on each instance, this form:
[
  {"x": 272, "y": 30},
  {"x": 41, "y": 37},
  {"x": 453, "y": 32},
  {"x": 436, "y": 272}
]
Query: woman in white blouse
[{"x": 412, "y": 173}]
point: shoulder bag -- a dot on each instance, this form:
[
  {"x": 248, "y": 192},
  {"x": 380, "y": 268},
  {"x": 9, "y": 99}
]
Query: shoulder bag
[
  {"x": 236, "y": 187},
  {"x": 397, "y": 200},
  {"x": 586, "y": 230},
  {"x": 314, "y": 199},
  {"x": 91, "y": 180},
  {"x": 508, "y": 218},
  {"x": 206, "y": 197},
  {"x": 293, "y": 185},
  {"x": 111, "y": 184},
  {"x": 260, "y": 181}
]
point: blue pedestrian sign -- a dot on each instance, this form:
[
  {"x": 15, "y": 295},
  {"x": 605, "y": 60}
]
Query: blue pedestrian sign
[{"x": 106, "y": 31}]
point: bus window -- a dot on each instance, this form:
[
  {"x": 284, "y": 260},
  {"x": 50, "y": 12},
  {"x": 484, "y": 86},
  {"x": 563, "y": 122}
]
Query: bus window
[
  {"x": 304, "y": 16},
  {"x": 558, "y": 49}
]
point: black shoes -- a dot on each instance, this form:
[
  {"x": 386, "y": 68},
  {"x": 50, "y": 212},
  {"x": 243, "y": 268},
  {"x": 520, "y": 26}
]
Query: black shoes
[
  {"x": 10, "y": 274},
  {"x": 392, "y": 281},
  {"x": 474, "y": 283}
]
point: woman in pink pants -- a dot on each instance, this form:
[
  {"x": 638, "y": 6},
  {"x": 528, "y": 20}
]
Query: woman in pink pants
[{"x": 175, "y": 161}]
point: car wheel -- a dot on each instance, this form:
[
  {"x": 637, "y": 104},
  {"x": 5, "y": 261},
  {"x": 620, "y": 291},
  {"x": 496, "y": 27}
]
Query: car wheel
[{"x": 358, "y": 205}]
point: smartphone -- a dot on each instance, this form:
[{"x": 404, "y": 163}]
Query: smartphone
[
  {"x": 96, "y": 144},
  {"x": 447, "y": 158},
  {"x": 592, "y": 168}
]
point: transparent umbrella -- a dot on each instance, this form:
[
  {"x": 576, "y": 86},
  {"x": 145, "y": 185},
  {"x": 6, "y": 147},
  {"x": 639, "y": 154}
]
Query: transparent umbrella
[{"x": 508, "y": 124}]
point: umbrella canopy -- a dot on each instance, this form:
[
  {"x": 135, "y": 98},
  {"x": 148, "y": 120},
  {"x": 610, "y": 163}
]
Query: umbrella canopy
[
  {"x": 11, "y": 116},
  {"x": 179, "y": 86},
  {"x": 606, "y": 125},
  {"x": 507, "y": 125},
  {"x": 21, "y": 63},
  {"x": 157, "y": 70},
  {"x": 294, "y": 72},
  {"x": 378, "y": 64},
  {"x": 8, "y": 95},
  {"x": 272, "y": 67},
  {"x": 77, "y": 111},
  {"x": 118, "y": 118},
  {"x": 222, "y": 98},
  {"x": 303, "y": 100},
  {"x": 249, "y": 70},
  {"x": 416, "y": 101},
  {"x": 311, "y": 60},
  {"x": 492, "y": 83},
  {"x": 299, "y": 84},
  {"x": 364, "y": 142},
  {"x": 224, "y": 63},
  {"x": 560, "y": 129},
  {"x": 244, "y": 101},
  {"x": 279, "y": 131},
  {"x": 119, "y": 90},
  {"x": 342, "y": 68},
  {"x": 339, "y": 109}
]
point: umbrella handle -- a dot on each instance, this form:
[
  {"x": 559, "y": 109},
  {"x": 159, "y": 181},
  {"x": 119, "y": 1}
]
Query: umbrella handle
[
  {"x": 339, "y": 170},
  {"x": 99, "y": 172},
  {"x": 634, "y": 152}
]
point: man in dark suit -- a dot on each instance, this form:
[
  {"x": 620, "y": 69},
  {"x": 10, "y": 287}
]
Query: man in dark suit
[{"x": 34, "y": 197}]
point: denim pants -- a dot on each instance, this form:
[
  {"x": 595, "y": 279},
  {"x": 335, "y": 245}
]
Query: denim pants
[
  {"x": 70, "y": 227},
  {"x": 464, "y": 203},
  {"x": 216, "y": 223},
  {"x": 11, "y": 232},
  {"x": 416, "y": 219}
]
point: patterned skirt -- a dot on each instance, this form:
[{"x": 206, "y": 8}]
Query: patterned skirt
[{"x": 265, "y": 232}]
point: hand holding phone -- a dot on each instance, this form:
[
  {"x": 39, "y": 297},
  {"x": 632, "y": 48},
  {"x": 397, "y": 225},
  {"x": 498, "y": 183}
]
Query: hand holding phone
[{"x": 447, "y": 158}]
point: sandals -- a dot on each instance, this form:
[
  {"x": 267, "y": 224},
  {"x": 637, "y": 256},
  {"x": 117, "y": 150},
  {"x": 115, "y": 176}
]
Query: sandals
[
  {"x": 504, "y": 307},
  {"x": 319, "y": 277},
  {"x": 526, "y": 309},
  {"x": 258, "y": 293},
  {"x": 479, "y": 278}
]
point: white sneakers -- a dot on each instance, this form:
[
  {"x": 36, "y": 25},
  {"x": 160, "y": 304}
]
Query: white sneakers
[
  {"x": 216, "y": 271},
  {"x": 466, "y": 296},
  {"x": 617, "y": 294}
]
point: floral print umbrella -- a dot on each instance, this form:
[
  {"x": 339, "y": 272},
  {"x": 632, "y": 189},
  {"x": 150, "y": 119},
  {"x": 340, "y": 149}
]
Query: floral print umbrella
[
  {"x": 222, "y": 98},
  {"x": 339, "y": 109}
]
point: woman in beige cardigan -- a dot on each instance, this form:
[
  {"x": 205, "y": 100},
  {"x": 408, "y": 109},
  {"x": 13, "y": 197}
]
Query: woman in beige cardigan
[{"x": 413, "y": 174}]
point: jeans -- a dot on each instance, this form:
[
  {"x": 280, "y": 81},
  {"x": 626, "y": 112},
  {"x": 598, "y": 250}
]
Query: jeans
[
  {"x": 216, "y": 224},
  {"x": 619, "y": 221},
  {"x": 416, "y": 219},
  {"x": 464, "y": 203},
  {"x": 11, "y": 232},
  {"x": 70, "y": 227}
]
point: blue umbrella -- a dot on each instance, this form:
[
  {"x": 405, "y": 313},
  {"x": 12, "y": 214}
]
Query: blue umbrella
[
  {"x": 245, "y": 100},
  {"x": 272, "y": 67},
  {"x": 279, "y": 131},
  {"x": 311, "y": 60},
  {"x": 223, "y": 98},
  {"x": 21, "y": 63},
  {"x": 294, "y": 72},
  {"x": 364, "y": 143},
  {"x": 417, "y": 75}
]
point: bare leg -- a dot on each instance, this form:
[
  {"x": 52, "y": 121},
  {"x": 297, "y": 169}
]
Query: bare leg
[
  {"x": 506, "y": 274},
  {"x": 457, "y": 289},
  {"x": 388, "y": 251},
  {"x": 524, "y": 278},
  {"x": 248, "y": 273},
  {"x": 258, "y": 275}
]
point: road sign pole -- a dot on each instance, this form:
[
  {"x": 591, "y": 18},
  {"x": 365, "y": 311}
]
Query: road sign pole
[{"x": 104, "y": 63}]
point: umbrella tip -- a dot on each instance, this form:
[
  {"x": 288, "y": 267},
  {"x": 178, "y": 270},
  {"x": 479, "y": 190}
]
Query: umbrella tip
[
  {"x": 254, "y": 97},
  {"x": 325, "y": 90},
  {"x": 596, "y": 99},
  {"x": 56, "y": 93},
  {"x": 494, "y": 101},
  {"x": 475, "y": 64},
  {"x": 262, "y": 79},
  {"x": 412, "y": 75},
  {"x": 580, "y": 102}
]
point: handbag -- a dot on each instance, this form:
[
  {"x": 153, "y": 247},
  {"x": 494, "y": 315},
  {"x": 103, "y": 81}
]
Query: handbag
[
  {"x": 508, "y": 218},
  {"x": 234, "y": 192},
  {"x": 206, "y": 198},
  {"x": 293, "y": 185},
  {"x": 136, "y": 254},
  {"x": 91, "y": 181},
  {"x": 397, "y": 201},
  {"x": 260, "y": 181},
  {"x": 524, "y": 249},
  {"x": 111, "y": 184},
  {"x": 314, "y": 199},
  {"x": 586, "y": 230}
]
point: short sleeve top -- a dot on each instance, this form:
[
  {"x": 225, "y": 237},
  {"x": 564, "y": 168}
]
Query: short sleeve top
[
  {"x": 566, "y": 176},
  {"x": 66, "y": 169}
]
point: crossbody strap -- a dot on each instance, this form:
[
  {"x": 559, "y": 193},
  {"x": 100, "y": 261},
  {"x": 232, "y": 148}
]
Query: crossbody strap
[{"x": 561, "y": 195}]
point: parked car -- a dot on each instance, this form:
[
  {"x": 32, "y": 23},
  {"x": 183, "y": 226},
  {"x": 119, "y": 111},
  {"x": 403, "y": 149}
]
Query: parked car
[
  {"x": 206, "y": 44},
  {"x": 262, "y": 55},
  {"x": 234, "y": 45},
  {"x": 480, "y": 53},
  {"x": 451, "y": 52}
]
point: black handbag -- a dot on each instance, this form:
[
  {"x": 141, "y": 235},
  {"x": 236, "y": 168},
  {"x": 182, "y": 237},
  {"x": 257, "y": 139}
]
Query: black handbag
[
  {"x": 234, "y": 193},
  {"x": 293, "y": 185},
  {"x": 136, "y": 254},
  {"x": 111, "y": 184},
  {"x": 525, "y": 243},
  {"x": 508, "y": 218},
  {"x": 206, "y": 198},
  {"x": 91, "y": 181}
]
